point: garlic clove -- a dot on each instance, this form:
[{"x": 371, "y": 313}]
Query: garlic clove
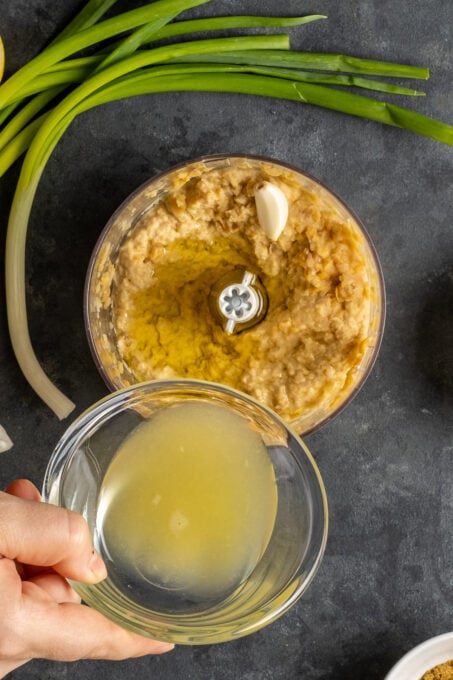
[
  {"x": 5, "y": 441},
  {"x": 272, "y": 209}
]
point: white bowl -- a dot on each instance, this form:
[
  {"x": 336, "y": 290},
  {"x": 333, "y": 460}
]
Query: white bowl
[{"x": 422, "y": 658}]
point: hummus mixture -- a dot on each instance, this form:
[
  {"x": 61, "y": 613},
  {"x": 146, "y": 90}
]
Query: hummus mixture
[{"x": 306, "y": 351}]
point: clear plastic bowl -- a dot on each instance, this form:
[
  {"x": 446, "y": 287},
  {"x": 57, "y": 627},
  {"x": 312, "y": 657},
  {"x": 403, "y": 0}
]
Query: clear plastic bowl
[
  {"x": 74, "y": 478},
  {"x": 331, "y": 392}
]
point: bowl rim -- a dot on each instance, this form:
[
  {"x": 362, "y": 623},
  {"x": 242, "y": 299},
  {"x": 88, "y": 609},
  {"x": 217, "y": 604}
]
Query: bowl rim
[
  {"x": 218, "y": 157},
  {"x": 426, "y": 663},
  {"x": 68, "y": 446}
]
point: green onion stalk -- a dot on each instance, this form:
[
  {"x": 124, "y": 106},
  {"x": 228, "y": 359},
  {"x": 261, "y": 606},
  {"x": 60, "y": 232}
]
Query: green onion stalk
[
  {"x": 47, "y": 136},
  {"x": 39, "y": 102},
  {"x": 74, "y": 71}
]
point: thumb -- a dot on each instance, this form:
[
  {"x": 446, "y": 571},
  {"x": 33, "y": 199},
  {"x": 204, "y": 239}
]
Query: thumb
[{"x": 44, "y": 535}]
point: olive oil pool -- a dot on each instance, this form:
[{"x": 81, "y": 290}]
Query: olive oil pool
[{"x": 188, "y": 504}]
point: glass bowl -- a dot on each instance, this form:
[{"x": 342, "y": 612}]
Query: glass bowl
[
  {"x": 213, "y": 520},
  {"x": 193, "y": 231}
]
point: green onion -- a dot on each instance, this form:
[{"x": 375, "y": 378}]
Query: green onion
[
  {"x": 8, "y": 111},
  {"x": 13, "y": 149},
  {"x": 16, "y": 304},
  {"x": 227, "y": 23},
  {"x": 323, "y": 62},
  {"x": 13, "y": 143},
  {"x": 72, "y": 71},
  {"x": 75, "y": 70},
  {"x": 45, "y": 140},
  {"x": 88, "y": 16},
  {"x": 27, "y": 113},
  {"x": 88, "y": 37},
  {"x": 306, "y": 93},
  {"x": 145, "y": 58},
  {"x": 252, "y": 65}
]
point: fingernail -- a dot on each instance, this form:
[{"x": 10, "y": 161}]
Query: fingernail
[
  {"x": 97, "y": 566},
  {"x": 166, "y": 647}
]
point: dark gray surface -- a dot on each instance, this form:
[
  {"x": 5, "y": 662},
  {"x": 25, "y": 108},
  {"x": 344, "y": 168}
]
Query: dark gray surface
[{"x": 386, "y": 582}]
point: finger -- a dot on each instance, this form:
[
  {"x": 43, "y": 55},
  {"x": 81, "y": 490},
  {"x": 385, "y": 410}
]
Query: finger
[
  {"x": 75, "y": 631},
  {"x": 53, "y": 587},
  {"x": 23, "y": 488},
  {"x": 48, "y": 536},
  {"x": 29, "y": 572},
  {"x": 8, "y": 666},
  {"x": 58, "y": 588},
  {"x": 10, "y": 584}
]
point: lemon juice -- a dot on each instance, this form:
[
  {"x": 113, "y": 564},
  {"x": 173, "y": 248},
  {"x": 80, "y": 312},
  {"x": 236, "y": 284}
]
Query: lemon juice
[{"x": 189, "y": 501}]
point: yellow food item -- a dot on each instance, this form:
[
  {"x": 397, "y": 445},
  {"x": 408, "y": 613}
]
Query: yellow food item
[
  {"x": 319, "y": 277},
  {"x": 189, "y": 501}
]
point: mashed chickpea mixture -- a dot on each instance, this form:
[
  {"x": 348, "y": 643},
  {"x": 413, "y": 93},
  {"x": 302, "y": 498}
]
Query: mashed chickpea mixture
[{"x": 306, "y": 351}]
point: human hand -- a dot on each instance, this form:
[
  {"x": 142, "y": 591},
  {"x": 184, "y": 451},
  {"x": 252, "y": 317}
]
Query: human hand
[{"x": 40, "y": 546}]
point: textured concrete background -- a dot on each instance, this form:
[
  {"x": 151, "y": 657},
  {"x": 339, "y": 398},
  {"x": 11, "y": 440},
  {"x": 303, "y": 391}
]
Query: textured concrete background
[{"x": 386, "y": 582}]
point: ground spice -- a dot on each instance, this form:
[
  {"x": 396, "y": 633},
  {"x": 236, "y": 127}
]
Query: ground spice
[{"x": 443, "y": 671}]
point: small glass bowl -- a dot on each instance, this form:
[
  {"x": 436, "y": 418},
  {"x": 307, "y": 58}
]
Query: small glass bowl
[
  {"x": 330, "y": 393},
  {"x": 288, "y": 564}
]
